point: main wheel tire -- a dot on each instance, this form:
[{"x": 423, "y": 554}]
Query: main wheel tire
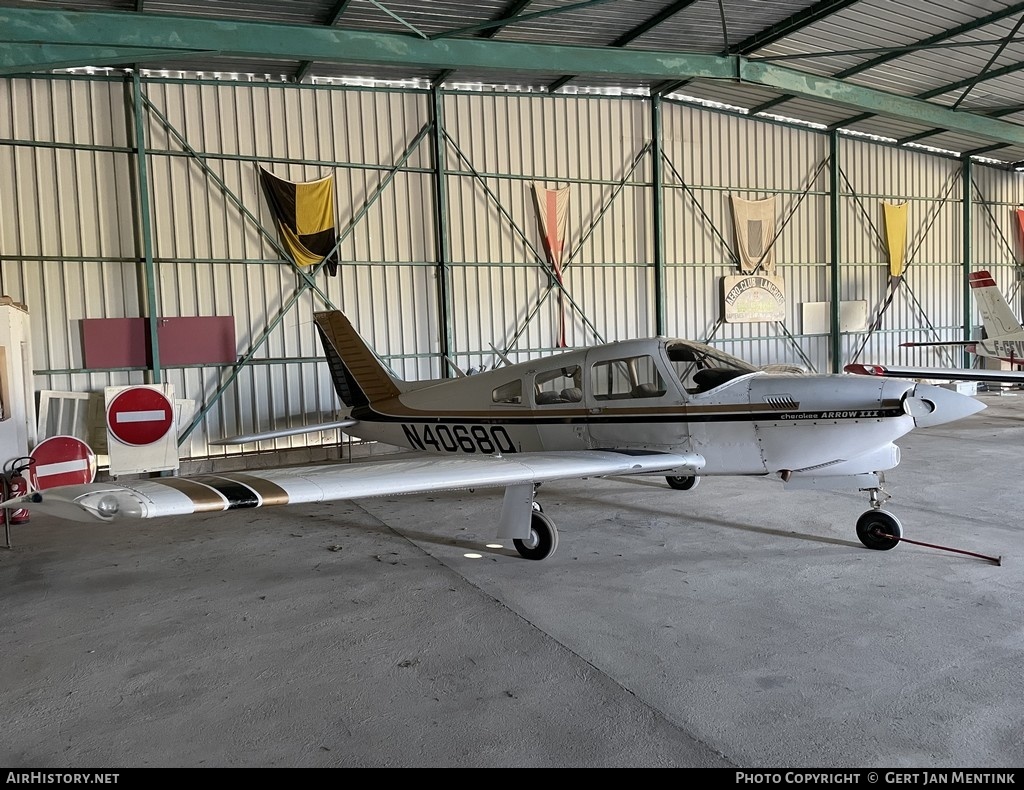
[
  {"x": 543, "y": 538},
  {"x": 879, "y": 530},
  {"x": 683, "y": 483}
]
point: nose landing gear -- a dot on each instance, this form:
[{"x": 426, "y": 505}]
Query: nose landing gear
[{"x": 879, "y": 529}]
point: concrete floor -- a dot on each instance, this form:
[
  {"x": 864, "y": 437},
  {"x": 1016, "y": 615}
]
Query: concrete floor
[{"x": 733, "y": 625}]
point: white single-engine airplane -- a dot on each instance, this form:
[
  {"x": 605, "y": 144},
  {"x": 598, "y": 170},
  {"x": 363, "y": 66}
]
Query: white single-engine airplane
[
  {"x": 1004, "y": 341},
  {"x": 637, "y": 407}
]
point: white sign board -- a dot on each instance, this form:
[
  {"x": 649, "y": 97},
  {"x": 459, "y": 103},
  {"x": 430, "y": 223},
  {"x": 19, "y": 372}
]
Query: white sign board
[
  {"x": 140, "y": 429},
  {"x": 752, "y": 298},
  {"x": 817, "y": 318}
]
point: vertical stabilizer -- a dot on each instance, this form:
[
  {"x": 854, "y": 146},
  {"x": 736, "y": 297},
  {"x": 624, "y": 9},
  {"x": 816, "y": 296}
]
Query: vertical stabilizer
[
  {"x": 998, "y": 318},
  {"x": 359, "y": 377}
]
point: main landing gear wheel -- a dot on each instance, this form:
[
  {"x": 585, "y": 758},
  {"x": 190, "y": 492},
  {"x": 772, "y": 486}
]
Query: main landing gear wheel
[
  {"x": 879, "y": 530},
  {"x": 683, "y": 483},
  {"x": 543, "y": 538}
]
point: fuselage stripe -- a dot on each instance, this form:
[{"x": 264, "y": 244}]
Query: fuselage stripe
[{"x": 370, "y": 415}]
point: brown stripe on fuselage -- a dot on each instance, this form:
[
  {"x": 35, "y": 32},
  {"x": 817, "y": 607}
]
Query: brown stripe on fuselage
[
  {"x": 395, "y": 408},
  {"x": 270, "y": 493},
  {"x": 203, "y": 497}
]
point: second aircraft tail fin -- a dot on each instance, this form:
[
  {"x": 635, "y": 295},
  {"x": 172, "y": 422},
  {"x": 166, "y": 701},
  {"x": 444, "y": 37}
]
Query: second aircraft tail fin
[{"x": 996, "y": 314}]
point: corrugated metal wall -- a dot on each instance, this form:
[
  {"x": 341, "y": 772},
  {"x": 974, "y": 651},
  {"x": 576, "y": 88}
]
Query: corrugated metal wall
[
  {"x": 71, "y": 243},
  {"x": 499, "y": 147},
  {"x": 67, "y": 238},
  {"x": 996, "y": 240},
  {"x": 715, "y": 156},
  {"x": 927, "y": 304}
]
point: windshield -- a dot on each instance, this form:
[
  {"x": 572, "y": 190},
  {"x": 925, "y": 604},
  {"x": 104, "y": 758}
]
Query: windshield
[{"x": 700, "y": 367}]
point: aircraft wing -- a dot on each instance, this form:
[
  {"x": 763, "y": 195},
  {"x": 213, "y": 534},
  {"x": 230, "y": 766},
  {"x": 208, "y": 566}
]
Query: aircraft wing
[
  {"x": 948, "y": 374},
  {"x": 171, "y": 496}
]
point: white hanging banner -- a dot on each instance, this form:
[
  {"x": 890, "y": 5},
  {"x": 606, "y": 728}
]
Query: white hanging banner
[{"x": 755, "y": 233}]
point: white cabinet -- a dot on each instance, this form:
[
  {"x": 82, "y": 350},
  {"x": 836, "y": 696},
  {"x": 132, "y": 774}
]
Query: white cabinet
[{"x": 17, "y": 385}]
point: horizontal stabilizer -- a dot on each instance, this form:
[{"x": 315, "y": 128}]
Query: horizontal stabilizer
[
  {"x": 277, "y": 434},
  {"x": 922, "y": 344}
]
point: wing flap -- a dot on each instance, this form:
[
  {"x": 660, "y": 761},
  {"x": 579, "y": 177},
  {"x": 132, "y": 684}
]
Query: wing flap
[{"x": 174, "y": 496}]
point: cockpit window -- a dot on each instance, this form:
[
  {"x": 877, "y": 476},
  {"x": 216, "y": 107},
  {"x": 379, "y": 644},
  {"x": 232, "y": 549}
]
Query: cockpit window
[
  {"x": 562, "y": 385},
  {"x": 630, "y": 377},
  {"x": 701, "y": 367},
  {"x": 511, "y": 393}
]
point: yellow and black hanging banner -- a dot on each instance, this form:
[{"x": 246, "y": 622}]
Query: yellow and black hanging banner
[
  {"x": 304, "y": 215},
  {"x": 896, "y": 235}
]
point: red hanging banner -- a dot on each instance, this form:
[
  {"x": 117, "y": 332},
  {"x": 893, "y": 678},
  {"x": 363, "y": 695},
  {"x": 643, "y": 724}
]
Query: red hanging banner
[{"x": 552, "y": 216}]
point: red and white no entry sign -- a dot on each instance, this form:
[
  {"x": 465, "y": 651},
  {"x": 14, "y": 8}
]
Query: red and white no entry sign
[
  {"x": 139, "y": 416},
  {"x": 61, "y": 461}
]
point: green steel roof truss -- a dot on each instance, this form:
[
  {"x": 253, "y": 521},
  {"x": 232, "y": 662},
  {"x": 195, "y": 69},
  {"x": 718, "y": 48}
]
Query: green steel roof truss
[{"x": 96, "y": 33}]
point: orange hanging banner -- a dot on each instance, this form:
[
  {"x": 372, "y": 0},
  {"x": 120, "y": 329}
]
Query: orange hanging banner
[{"x": 552, "y": 217}]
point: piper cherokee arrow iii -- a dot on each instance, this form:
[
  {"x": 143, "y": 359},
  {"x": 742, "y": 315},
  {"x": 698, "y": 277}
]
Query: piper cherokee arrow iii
[{"x": 637, "y": 407}]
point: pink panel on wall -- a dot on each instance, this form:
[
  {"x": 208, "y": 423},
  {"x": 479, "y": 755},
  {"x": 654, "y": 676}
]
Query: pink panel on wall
[
  {"x": 195, "y": 341},
  {"x": 124, "y": 342},
  {"x": 114, "y": 342}
]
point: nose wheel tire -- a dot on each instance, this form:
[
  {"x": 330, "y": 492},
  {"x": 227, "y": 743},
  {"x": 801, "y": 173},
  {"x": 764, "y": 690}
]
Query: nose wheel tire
[
  {"x": 879, "y": 530},
  {"x": 543, "y": 538},
  {"x": 683, "y": 483}
]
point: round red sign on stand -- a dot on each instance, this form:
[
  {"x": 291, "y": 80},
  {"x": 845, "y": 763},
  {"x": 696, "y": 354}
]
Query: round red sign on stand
[
  {"x": 61, "y": 461},
  {"x": 139, "y": 415}
]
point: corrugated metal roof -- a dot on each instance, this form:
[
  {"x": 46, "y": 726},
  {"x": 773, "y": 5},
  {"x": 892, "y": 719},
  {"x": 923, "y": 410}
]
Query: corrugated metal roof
[
  {"x": 986, "y": 77},
  {"x": 698, "y": 28}
]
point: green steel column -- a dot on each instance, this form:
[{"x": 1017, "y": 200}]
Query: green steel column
[
  {"x": 967, "y": 179},
  {"x": 658, "y": 227},
  {"x": 155, "y": 373},
  {"x": 833, "y": 222},
  {"x": 442, "y": 242}
]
